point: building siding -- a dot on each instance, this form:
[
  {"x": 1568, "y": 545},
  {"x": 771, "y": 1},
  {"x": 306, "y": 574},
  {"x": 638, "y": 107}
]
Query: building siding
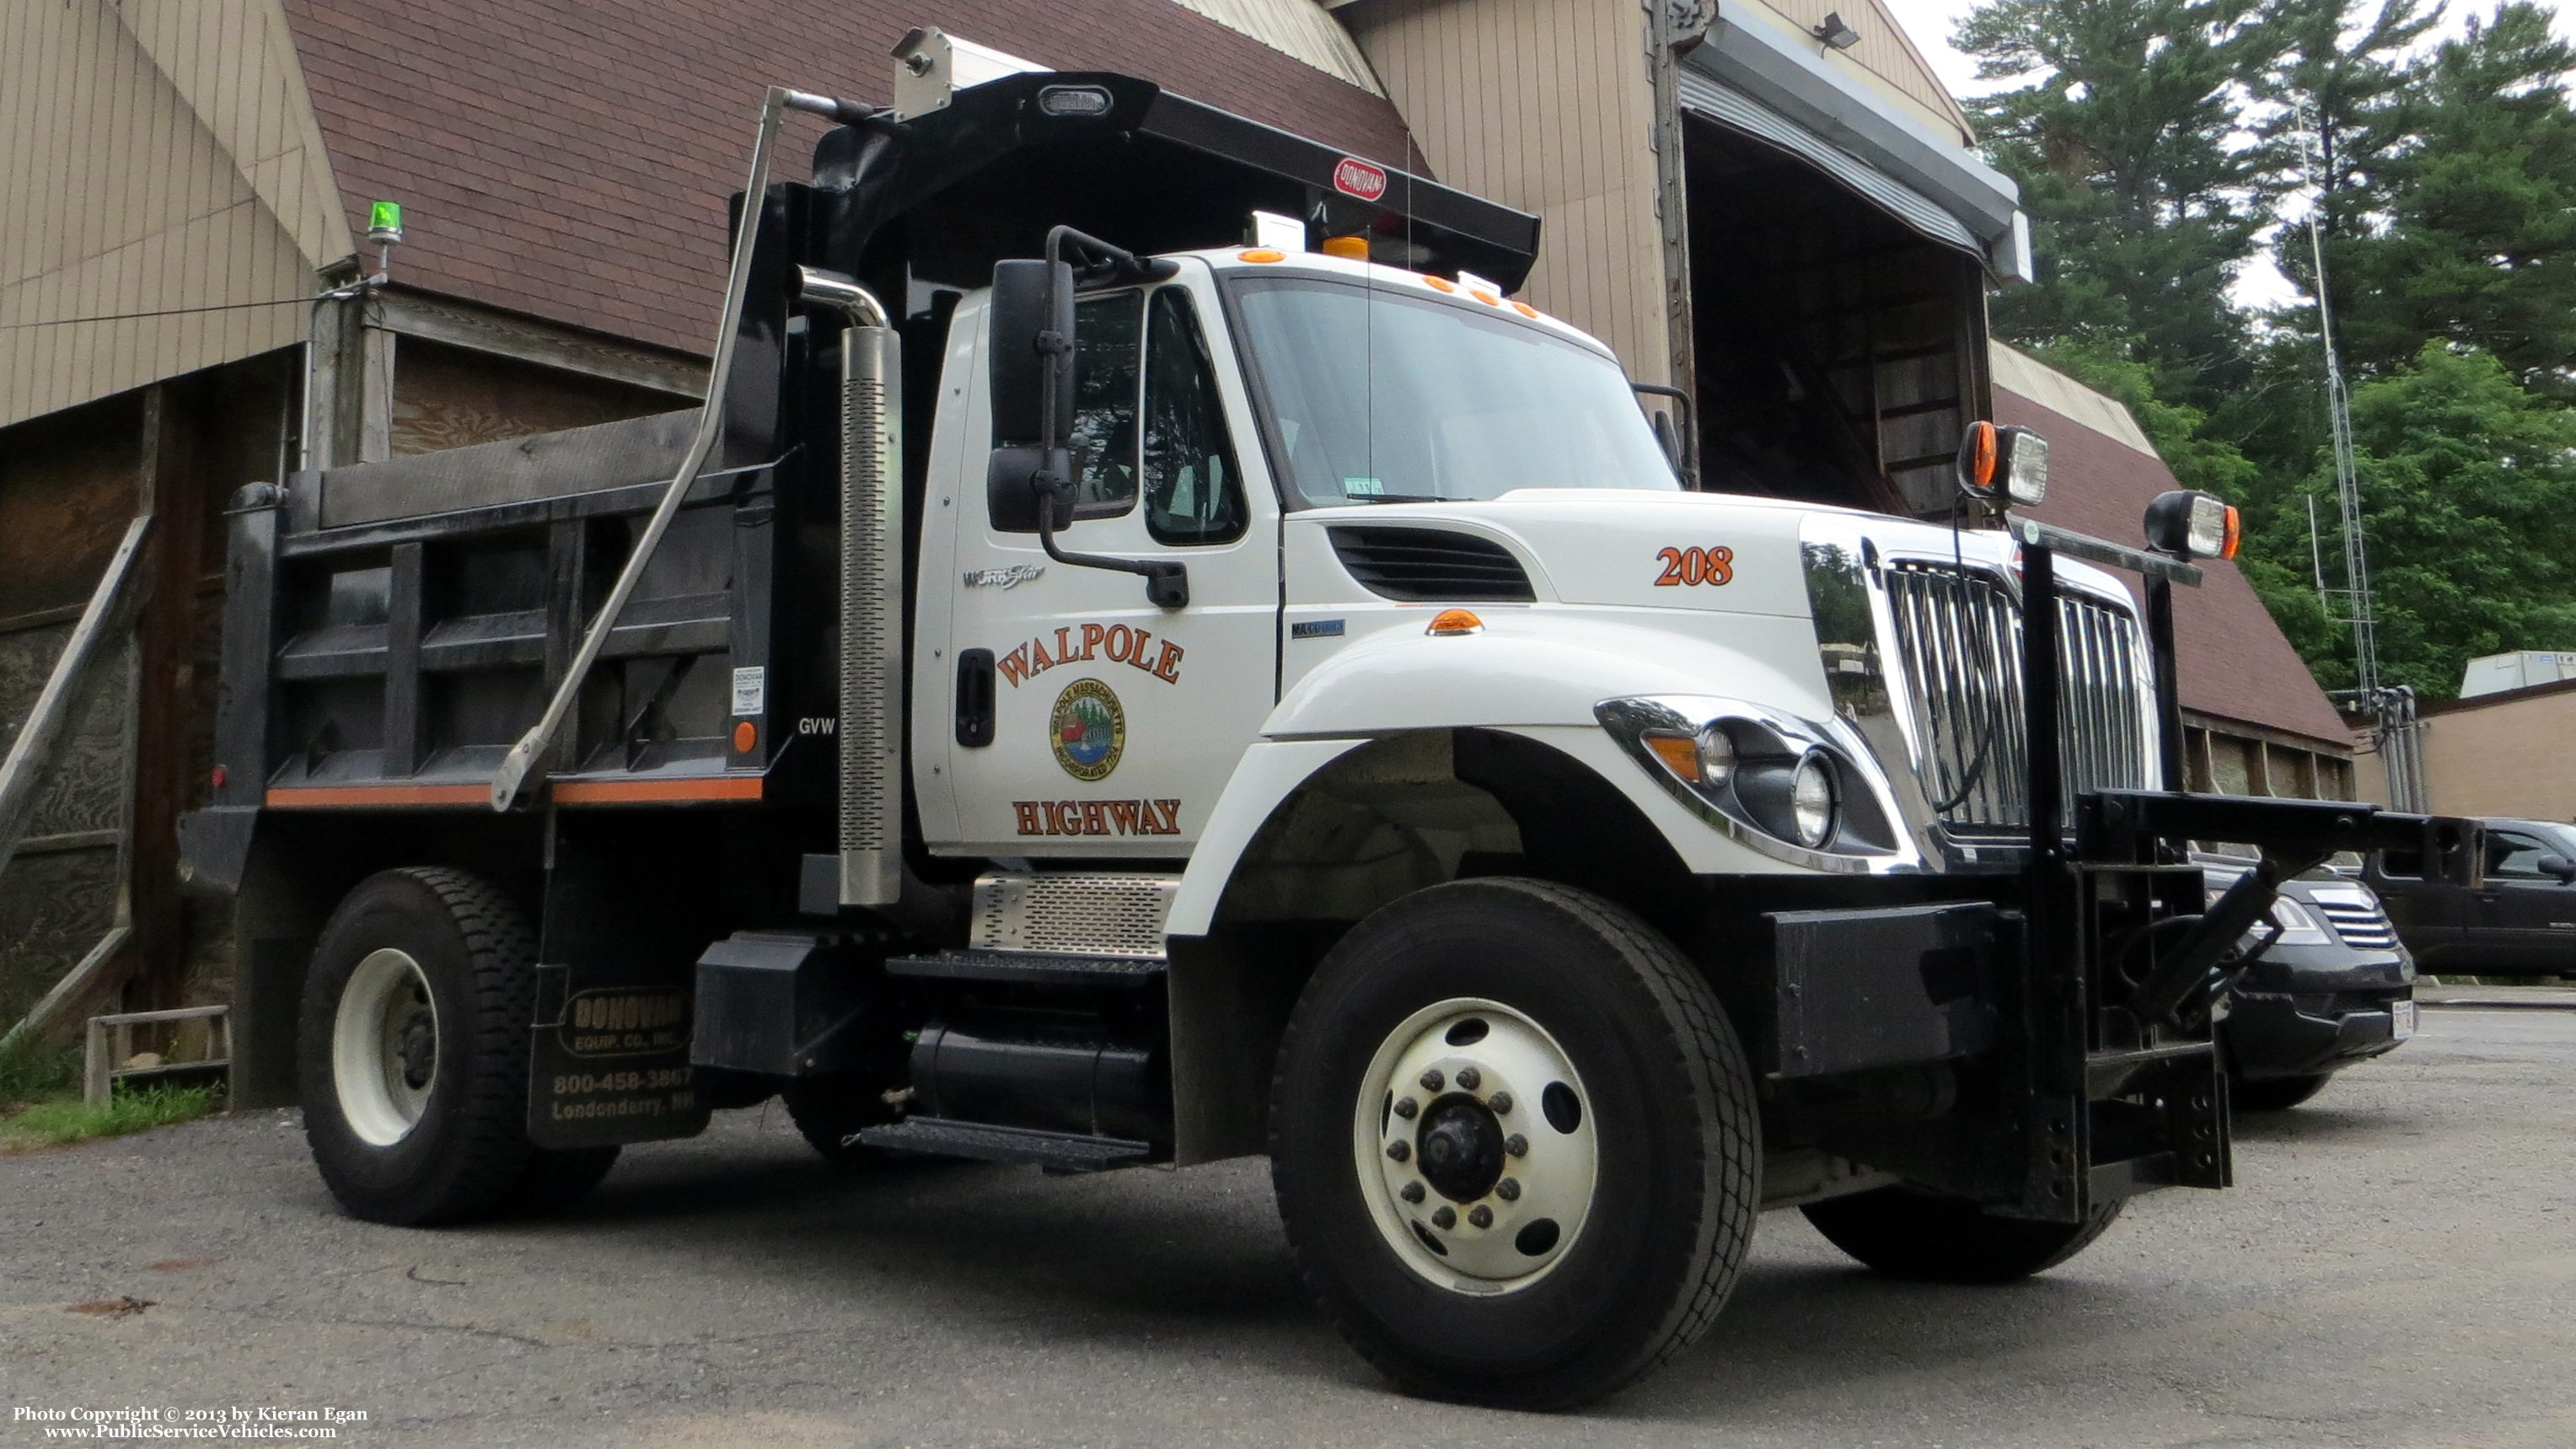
[
  {"x": 118, "y": 196},
  {"x": 1544, "y": 105}
]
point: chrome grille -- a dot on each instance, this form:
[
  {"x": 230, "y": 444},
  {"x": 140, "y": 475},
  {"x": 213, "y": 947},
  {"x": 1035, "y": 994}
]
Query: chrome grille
[
  {"x": 1957, "y": 642},
  {"x": 2357, "y": 918}
]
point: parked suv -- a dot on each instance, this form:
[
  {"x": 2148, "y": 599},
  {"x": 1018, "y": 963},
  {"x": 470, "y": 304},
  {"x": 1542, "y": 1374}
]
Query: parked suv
[
  {"x": 2507, "y": 908},
  {"x": 2332, "y": 986}
]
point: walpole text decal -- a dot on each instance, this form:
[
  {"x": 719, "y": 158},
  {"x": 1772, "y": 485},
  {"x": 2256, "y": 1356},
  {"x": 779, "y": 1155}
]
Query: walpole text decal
[
  {"x": 1098, "y": 817},
  {"x": 1080, "y": 643}
]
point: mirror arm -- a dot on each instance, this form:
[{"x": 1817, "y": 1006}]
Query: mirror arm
[{"x": 1167, "y": 581}]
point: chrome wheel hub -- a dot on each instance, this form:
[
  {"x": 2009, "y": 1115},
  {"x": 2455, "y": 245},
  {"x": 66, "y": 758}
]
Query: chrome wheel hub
[{"x": 1475, "y": 1145}]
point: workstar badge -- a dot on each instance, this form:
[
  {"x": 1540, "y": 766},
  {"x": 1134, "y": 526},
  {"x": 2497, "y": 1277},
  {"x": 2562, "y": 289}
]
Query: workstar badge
[{"x": 1088, "y": 730}]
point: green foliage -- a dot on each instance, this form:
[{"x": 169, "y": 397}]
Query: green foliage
[
  {"x": 2156, "y": 140},
  {"x": 2469, "y": 505},
  {"x": 38, "y": 1074},
  {"x": 56, "y": 1123},
  {"x": 2120, "y": 137}
]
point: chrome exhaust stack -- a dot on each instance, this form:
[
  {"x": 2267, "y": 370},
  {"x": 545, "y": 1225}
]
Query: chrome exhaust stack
[{"x": 870, "y": 727}]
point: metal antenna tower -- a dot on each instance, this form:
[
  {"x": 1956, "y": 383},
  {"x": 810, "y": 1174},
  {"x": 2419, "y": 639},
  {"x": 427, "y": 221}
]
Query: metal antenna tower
[{"x": 2392, "y": 710}]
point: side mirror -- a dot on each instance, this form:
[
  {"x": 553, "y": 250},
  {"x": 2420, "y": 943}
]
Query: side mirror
[
  {"x": 2559, "y": 866},
  {"x": 1032, "y": 315}
]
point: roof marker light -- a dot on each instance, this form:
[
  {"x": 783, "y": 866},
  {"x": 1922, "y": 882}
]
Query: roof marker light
[{"x": 1441, "y": 284}]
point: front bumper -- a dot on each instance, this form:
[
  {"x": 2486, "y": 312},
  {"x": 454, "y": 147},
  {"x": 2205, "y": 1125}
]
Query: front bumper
[{"x": 2281, "y": 1035}]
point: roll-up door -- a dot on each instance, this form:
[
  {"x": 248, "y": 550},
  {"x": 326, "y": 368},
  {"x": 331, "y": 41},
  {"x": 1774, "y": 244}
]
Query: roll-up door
[{"x": 1705, "y": 97}]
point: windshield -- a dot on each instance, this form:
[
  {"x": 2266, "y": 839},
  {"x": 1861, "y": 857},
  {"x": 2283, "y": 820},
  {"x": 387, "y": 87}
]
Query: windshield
[{"x": 1376, "y": 397}]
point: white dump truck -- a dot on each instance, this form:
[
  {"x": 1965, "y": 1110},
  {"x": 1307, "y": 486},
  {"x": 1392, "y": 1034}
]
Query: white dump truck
[{"x": 1108, "y": 682}]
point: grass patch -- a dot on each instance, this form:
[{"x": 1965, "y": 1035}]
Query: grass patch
[
  {"x": 35, "y": 1074},
  {"x": 52, "y": 1124}
]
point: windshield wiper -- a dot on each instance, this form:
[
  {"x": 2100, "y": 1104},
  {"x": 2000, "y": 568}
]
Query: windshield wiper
[{"x": 1404, "y": 498}]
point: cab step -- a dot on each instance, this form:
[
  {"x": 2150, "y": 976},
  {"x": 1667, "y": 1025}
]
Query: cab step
[
  {"x": 1054, "y": 1151},
  {"x": 1034, "y": 968}
]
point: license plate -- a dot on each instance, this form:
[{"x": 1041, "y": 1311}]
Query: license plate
[{"x": 2402, "y": 1014}]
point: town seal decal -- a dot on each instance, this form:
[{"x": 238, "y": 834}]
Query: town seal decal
[{"x": 1088, "y": 730}]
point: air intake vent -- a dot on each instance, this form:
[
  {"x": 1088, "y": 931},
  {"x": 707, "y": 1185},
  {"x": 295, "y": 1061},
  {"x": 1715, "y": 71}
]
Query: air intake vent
[{"x": 1431, "y": 565}]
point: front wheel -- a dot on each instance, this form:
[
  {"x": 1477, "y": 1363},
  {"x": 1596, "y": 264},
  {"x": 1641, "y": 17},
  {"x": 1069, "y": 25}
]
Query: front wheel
[
  {"x": 1904, "y": 1233},
  {"x": 2274, "y": 1094},
  {"x": 1514, "y": 1143}
]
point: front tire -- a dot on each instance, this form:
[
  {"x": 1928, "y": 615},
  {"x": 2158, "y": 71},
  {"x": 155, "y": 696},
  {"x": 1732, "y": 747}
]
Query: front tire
[
  {"x": 1540, "y": 1037},
  {"x": 413, "y": 1055},
  {"x": 2275, "y": 1094},
  {"x": 1903, "y": 1233}
]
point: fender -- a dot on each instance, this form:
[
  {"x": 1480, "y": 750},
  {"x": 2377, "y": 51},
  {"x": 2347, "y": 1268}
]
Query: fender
[{"x": 1535, "y": 672}]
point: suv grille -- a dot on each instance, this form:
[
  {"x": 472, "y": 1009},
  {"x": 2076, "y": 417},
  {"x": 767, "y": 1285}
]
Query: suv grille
[
  {"x": 1430, "y": 564},
  {"x": 2357, "y": 918},
  {"x": 1958, "y": 645}
]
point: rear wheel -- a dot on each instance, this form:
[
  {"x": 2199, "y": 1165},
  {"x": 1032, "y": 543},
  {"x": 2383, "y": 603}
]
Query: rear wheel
[
  {"x": 831, "y": 1112},
  {"x": 2275, "y": 1094},
  {"x": 1514, "y": 1143},
  {"x": 413, "y": 1055},
  {"x": 1905, "y": 1233}
]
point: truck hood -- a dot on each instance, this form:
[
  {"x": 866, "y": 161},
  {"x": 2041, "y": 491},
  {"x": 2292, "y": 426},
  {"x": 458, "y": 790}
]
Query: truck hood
[{"x": 1659, "y": 549}]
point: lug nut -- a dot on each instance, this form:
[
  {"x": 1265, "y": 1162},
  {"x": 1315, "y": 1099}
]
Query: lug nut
[
  {"x": 1509, "y": 1189},
  {"x": 1412, "y": 1192},
  {"x": 1444, "y": 1219},
  {"x": 1469, "y": 1079},
  {"x": 1501, "y": 1102},
  {"x": 1431, "y": 1080},
  {"x": 1480, "y": 1216},
  {"x": 1399, "y": 1149},
  {"x": 1406, "y": 1106},
  {"x": 1516, "y": 1145}
]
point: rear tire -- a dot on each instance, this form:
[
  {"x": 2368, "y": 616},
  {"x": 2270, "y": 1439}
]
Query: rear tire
[
  {"x": 413, "y": 1055},
  {"x": 1904, "y": 1233},
  {"x": 1636, "y": 1171},
  {"x": 2275, "y": 1094}
]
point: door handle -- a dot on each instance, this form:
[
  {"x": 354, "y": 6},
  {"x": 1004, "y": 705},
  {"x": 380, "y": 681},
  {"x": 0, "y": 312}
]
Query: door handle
[{"x": 974, "y": 698}]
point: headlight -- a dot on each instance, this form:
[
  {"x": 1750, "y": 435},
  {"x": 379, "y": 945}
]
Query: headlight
[
  {"x": 2298, "y": 926},
  {"x": 1811, "y": 802}
]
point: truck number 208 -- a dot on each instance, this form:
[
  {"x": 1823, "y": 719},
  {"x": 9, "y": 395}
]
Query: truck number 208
[{"x": 1696, "y": 566}]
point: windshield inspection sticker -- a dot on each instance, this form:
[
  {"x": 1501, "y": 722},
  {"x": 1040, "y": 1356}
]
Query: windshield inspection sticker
[
  {"x": 1695, "y": 566},
  {"x": 1362, "y": 488}
]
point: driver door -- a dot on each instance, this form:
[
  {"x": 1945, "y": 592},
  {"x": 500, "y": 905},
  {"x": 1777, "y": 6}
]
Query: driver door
[{"x": 1087, "y": 721}]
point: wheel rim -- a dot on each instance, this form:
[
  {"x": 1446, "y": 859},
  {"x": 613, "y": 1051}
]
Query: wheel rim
[
  {"x": 1476, "y": 1146},
  {"x": 384, "y": 1047}
]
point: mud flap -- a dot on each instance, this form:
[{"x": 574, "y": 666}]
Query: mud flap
[{"x": 609, "y": 1064}]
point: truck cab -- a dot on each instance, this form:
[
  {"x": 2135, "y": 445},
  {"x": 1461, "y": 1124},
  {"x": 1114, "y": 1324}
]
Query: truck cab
[{"x": 1093, "y": 688}]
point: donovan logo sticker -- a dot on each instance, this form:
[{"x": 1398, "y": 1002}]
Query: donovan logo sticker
[{"x": 1088, "y": 730}]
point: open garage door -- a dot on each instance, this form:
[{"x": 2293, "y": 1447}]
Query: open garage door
[{"x": 1838, "y": 313}]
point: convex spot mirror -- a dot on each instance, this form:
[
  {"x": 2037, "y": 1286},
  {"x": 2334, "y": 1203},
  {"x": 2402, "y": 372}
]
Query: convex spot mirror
[
  {"x": 2003, "y": 464},
  {"x": 1030, "y": 314}
]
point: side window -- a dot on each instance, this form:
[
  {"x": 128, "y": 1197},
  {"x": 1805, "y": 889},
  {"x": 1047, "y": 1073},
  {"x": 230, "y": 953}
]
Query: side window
[
  {"x": 2515, "y": 857},
  {"x": 1108, "y": 350},
  {"x": 1193, "y": 491}
]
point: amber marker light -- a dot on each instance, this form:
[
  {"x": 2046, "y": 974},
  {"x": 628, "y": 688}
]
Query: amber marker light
[
  {"x": 1450, "y": 623},
  {"x": 1488, "y": 298},
  {"x": 745, "y": 735},
  {"x": 1526, "y": 310},
  {"x": 1680, "y": 754},
  {"x": 1440, "y": 284},
  {"x": 1261, "y": 254}
]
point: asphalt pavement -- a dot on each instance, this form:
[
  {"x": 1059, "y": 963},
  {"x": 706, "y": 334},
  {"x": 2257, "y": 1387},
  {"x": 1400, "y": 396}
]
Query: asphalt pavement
[{"x": 2396, "y": 1268}]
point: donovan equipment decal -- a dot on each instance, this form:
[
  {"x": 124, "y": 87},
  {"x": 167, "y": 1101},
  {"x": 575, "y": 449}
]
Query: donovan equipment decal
[
  {"x": 1088, "y": 730},
  {"x": 1355, "y": 177}
]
